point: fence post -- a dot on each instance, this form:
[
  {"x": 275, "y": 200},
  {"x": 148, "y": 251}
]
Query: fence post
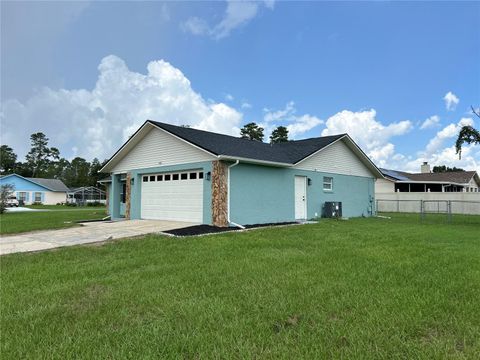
[
  {"x": 421, "y": 210},
  {"x": 398, "y": 206},
  {"x": 449, "y": 207}
]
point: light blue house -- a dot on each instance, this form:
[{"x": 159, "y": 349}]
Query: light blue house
[
  {"x": 37, "y": 190},
  {"x": 168, "y": 172}
]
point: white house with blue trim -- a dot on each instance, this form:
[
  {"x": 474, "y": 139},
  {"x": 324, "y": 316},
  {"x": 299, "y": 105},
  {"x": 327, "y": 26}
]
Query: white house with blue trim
[
  {"x": 168, "y": 172},
  {"x": 37, "y": 190}
]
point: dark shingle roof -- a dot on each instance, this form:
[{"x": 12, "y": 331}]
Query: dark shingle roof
[
  {"x": 52, "y": 184},
  {"x": 290, "y": 152},
  {"x": 459, "y": 177}
]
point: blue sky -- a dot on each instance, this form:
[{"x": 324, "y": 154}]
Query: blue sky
[{"x": 377, "y": 70}]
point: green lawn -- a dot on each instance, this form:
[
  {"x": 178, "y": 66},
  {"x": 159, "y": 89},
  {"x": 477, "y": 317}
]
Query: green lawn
[
  {"x": 18, "y": 222},
  {"x": 357, "y": 289}
]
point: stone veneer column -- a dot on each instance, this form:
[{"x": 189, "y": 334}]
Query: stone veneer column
[
  {"x": 219, "y": 194},
  {"x": 128, "y": 190}
]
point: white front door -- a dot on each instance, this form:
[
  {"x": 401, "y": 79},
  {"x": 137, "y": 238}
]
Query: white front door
[{"x": 300, "y": 197}]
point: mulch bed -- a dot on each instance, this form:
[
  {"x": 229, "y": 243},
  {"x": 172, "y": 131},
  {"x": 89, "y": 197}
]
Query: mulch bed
[{"x": 208, "y": 229}]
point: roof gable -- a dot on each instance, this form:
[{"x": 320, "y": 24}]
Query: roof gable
[
  {"x": 229, "y": 147},
  {"x": 289, "y": 152},
  {"x": 32, "y": 184}
]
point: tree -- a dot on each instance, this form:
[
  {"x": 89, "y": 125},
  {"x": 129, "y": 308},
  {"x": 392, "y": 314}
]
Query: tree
[
  {"x": 5, "y": 191},
  {"x": 94, "y": 174},
  {"x": 279, "y": 135},
  {"x": 252, "y": 131},
  {"x": 444, "y": 169},
  {"x": 40, "y": 155},
  {"x": 467, "y": 135},
  {"x": 77, "y": 173},
  {"x": 7, "y": 160}
]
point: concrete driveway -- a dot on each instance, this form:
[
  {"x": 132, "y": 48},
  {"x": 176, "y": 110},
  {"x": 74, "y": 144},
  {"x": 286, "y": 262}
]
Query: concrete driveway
[{"x": 88, "y": 233}]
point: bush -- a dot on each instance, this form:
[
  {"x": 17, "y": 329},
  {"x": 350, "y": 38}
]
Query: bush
[
  {"x": 37, "y": 203},
  {"x": 94, "y": 203},
  {"x": 70, "y": 204}
]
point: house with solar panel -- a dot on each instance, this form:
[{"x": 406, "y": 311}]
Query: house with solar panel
[{"x": 395, "y": 181}]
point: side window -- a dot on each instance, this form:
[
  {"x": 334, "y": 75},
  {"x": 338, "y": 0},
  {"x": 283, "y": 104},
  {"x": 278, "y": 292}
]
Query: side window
[
  {"x": 193, "y": 176},
  {"x": 175, "y": 177},
  {"x": 167, "y": 177},
  {"x": 152, "y": 177},
  {"x": 124, "y": 193},
  {"x": 38, "y": 197},
  {"x": 184, "y": 176},
  {"x": 145, "y": 179},
  {"x": 159, "y": 177},
  {"x": 327, "y": 183},
  {"x": 200, "y": 175}
]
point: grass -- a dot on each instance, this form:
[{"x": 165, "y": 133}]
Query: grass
[
  {"x": 63, "y": 207},
  {"x": 19, "y": 222},
  {"x": 358, "y": 289}
]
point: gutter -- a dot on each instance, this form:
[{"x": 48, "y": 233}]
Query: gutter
[
  {"x": 228, "y": 195},
  {"x": 253, "y": 161}
]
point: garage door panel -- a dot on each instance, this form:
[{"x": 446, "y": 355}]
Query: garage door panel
[{"x": 177, "y": 200}]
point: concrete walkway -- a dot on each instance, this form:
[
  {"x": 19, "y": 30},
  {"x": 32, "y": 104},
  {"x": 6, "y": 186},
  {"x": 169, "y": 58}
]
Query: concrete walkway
[{"x": 88, "y": 233}]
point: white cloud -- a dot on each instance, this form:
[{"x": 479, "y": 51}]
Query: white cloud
[
  {"x": 371, "y": 135},
  {"x": 297, "y": 124},
  {"x": 229, "y": 97},
  {"x": 246, "y": 105},
  {"x": 237, "y": 14},
  {"x": 451, "y": 100},
  {"x": 431, "y": 122},
  {"x": 95, "y": 123},
  {"x": 196, "y": 26},
  {"x": 448, "y": 132},
  {"x": 284, "y": 114},
  {"x": 440, "y": 150}
]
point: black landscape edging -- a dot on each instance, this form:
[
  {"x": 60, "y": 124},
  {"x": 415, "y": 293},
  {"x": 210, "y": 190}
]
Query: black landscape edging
[{"x": 209, "y": 229}]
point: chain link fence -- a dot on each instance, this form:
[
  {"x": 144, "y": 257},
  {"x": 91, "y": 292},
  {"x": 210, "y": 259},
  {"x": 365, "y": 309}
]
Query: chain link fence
[{"x": 438, "y": 210}]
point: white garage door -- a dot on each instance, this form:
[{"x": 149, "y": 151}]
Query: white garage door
[{"x": 176, "y": 196}]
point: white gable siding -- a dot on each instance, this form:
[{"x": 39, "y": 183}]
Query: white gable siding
[
  {"x": 158, "y": 146},
  {"x": 337, "y": 159}
]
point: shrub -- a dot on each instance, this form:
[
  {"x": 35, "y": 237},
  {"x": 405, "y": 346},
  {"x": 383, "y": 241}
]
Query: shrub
[{"x": 94, "y": 203}]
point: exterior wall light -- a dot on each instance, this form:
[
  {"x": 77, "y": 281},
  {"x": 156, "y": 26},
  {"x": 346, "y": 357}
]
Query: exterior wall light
[
  {"x": 209, "y": 176},
  {"x": 309, "y": 181}
]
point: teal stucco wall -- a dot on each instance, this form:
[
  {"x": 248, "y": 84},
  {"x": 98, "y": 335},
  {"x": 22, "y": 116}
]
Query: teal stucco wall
[{"x": 261, "y": 194}]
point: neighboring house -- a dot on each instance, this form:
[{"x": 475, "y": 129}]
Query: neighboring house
[
  {"x": 168, "y": 172},
  {"x": 426, "y": 181},
  {"x": 30, "y": 190}
]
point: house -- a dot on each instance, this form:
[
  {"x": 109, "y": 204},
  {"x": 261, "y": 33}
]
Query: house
[
  {"x": 168, "y": 172},
  {"x": 37, "y": 190},
  {"x": 426, "y": 181}
]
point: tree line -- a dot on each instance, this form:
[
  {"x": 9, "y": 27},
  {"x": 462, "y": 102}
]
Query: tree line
[
  {"x": 43, "y": 161},
  {"x": 252, "y": 131}
]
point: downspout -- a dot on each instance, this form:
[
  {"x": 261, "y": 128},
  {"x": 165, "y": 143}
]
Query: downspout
[{"x": 228, "y": 197}]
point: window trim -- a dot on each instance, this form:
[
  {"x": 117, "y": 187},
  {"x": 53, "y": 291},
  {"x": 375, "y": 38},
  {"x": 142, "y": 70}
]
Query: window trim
[
  {"x": 35, "y": 196},
  {"x": 327, "y": 180}
]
